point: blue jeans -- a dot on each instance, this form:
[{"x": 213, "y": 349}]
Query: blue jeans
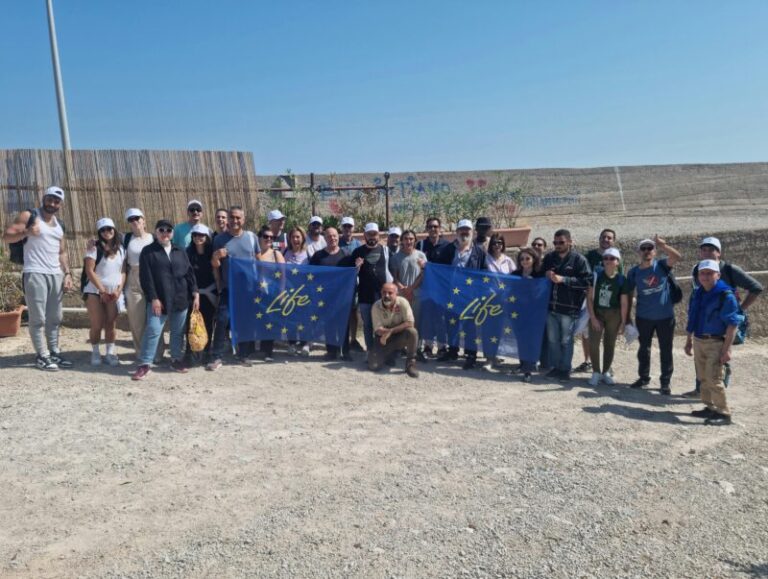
[
  {"x": 221, "y": 342},
  {"x": 153, "y": 331},
  {"x": 560, "y": 328}
]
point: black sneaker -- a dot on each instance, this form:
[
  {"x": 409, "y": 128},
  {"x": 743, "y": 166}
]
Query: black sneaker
[
  {"x": 666, "y": 390},
  {"x": 60, "y": 361},
  {"x": 527, "y": 377},
  {"x": 703, "y": 413},
  {"x": 553, "y": 373},
  {"x": 564, "y": 377},
  {"x": 717, "y": 419},
  {"x": 448, "y": 356},
  {"x": 347, "y": 357},
  {"x": 469, "y": 363},
  {"x": 585, "y": 367},
  {"x": 355, "y": 346},
  {"x": 420, "y": 356},
  {"x": 640, "y": 382},
  {"x": 46, "y": 363},
  {"x": 390, "y": 362}
]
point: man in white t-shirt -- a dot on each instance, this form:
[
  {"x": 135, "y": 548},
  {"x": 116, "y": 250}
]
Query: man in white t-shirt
[
  {"x": 315, "y": 238},
  {"x": 46, "y": 275}
]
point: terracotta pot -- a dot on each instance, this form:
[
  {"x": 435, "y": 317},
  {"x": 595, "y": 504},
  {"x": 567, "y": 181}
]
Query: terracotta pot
[{"x": 10, "y": 322}]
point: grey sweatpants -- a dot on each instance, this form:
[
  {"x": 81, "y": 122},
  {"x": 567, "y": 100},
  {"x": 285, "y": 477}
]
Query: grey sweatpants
[{"x": 43, "y": 293}]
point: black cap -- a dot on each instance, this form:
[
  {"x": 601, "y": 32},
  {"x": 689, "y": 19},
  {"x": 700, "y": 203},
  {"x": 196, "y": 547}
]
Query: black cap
[
  {"x": 482, "y": 221},
  {"x": 163, "y": 223}
]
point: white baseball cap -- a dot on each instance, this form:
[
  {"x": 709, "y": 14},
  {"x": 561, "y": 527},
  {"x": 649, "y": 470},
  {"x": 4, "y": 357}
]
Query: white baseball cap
[
  {"x": 133, "y": 212},
  {"x": 315, "y": 219},
  {"x": 347, "y": 221},
  {"x": 104, "y": 222},
  {"x": 54, "y": 191},
  {"x": 713, "y": 241},
  {"x": 395, "y": 231},
  {"x": 275, "y": 215},
  {"x": 709, "y": 264},
  {"x": 195, "y": 202},
  {"x": 200, "y": 228},
  {"x": 464, "y": 223},
  {"x": 371, "y": 227},
  {"x": 612, "y": 251},
  {"x": 646, "y": 242}
]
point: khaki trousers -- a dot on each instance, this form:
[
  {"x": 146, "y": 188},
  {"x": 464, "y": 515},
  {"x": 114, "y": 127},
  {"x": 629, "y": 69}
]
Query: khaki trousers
[
  {"x": 407, "y": 339},
  {"x": 706, "y": 357},
  {"x": 611, "y": 321}
]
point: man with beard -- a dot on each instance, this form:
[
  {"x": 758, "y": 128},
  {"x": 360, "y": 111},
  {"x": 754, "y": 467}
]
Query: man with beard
[
  {"x": 569, "y": 273},
  {"x": 465, "y": 253},
  {"x": 372, "y": 263},
  {"x": 46, "y": 275},
  {"x": 394, "y": 329},
  {"x": 182, "y": 233}
]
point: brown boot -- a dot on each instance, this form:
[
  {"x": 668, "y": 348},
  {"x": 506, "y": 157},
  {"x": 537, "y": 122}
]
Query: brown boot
[{"x": 410, "y": 368}]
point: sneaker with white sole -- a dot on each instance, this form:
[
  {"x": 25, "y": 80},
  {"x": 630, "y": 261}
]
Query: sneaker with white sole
[
  {"x": 112, "y": 360},
  {"x": 608, "y": 379},
  {"x": 141, "y": 372},
  {"x": 46, "y": 363},
  {"x": 60, "y": 361},
  {"x": 95, "y": 359},
  {"x": 305, "y": 349},
  {"x": 292, "y": 351},
  {"x": 595, "y": 380}
]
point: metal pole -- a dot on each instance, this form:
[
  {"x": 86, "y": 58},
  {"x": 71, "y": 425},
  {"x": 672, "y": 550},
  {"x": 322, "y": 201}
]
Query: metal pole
[
  {"x": 57, "y": 79},
  {"x": 386, "y": 196}
]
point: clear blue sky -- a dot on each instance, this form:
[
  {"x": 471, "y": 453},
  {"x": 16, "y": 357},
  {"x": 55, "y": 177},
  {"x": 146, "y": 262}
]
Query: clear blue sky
[{"x": 396, "y": 85}]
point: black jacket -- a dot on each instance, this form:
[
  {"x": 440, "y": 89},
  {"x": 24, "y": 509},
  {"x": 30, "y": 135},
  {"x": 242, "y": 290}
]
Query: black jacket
[
  {"x": 477, "y": 257},
  {"x": 568, "y": 297},
  {"x": 172, "y": 281}
]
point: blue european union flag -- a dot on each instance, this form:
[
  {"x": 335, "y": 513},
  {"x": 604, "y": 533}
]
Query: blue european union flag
[
  {"x": 271, "y": 301},
  {"x": 481, "y": 310}
]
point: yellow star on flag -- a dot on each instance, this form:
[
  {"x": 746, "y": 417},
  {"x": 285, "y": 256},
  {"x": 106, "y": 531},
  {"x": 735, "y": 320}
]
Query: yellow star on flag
[
  {"x": 486, "y": 279},
  {"x": 469, "y": 281},
  {"x": 300, "y": 327},
  {"x": 478, "y": 341},
  {"x": 507, "y": 330},
  {"x": 310, "y": 277},
  {"x": 449, "y": 305},
  {"x": 512, "y": 299},
  {"x": 456, "y": 291},
  {"x": 514, "y": 315},
  {"x": 284, "y": 331},
  {"x": 502, "y": 285},
  {"x": 494, "y": 339},
  {"x": 295, "y": 271},
  {"x": 319, "y": 288},
  {"x": 256, "y": 300},
  {"x": 269, "y": 326},
  {"x": 462, "y": 334},
  {"x": 259, "y": 316},
  {"x": 453, "y": 321},
  {"x": 313, "y": 317},
  {"x": 278, "y": 275},
  {"x": 264, "y": 284},
  {"x": 320, "y": 304}
]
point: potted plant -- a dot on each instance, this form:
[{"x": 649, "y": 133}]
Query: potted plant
[{"x": 11, "y": 298}]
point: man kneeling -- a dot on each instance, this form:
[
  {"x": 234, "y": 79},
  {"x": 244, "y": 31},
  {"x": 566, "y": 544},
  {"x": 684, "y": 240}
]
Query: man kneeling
[{"x": 393, "y": 328}]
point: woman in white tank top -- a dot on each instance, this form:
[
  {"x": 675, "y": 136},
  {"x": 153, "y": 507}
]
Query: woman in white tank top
[{"x": 105, "y": 270}]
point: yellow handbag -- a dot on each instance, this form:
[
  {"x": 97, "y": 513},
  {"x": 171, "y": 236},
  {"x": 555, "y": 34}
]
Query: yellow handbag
[{"x": 198, "y": 335}]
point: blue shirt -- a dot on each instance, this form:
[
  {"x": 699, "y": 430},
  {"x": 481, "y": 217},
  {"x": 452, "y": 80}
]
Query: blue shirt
[
  {"x": 652, "y": 285},
  {"x": 244, "y": 247},
  {"x": 351, "y": 246},
  {"x": 182, "y": 235},
  {"x": 710, "y": 313}
]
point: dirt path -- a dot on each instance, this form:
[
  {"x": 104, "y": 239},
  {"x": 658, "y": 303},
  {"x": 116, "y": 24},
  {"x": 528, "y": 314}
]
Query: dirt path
[{"x": 307, "y": 468}]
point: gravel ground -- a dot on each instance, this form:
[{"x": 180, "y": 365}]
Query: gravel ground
[{"x": 315, "y": 469}]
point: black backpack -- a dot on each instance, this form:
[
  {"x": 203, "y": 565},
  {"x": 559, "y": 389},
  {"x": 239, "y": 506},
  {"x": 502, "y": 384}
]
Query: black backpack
[
  {"x": 675, "y": 291},
  {"x": 16, "y": 254},
  {"x": 84, "y": 276}
]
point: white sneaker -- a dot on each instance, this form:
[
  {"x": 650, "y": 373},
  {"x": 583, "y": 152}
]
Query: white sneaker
[
  {"x": 305, "y": 351},
  {"x": 95, "y": 359},
  {"x": 608, "y": 379},
  {"x": 112, "y": 359},
  {"x": 595, "y": 380}
]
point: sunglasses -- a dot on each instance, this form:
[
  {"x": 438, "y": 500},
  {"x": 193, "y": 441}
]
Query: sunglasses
[
  {"x": 133, "y": 219},
  {"x": 165, "y": 230},
  {"x": 194, "y": 210},
  {"x": 647, "y": 248},
  {"x": 267, "y": 236},
  {"x": 497, "y": 243},
  {"x": 106, "y": 229}
]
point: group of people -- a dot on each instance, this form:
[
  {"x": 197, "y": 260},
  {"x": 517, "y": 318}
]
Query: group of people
[{"x": 160, "y": 277}]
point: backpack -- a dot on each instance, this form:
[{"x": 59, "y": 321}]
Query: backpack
[
  {"x": 742, "y": 330},
  {"x": 17, "y": 247},
  {"x": 84, "y": 276},
  {"x": 675, "y": 291}
]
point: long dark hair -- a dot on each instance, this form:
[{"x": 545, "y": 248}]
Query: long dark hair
[
  {"x": 534, "y": 254},
  {"x": 111, "y": 247}
]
